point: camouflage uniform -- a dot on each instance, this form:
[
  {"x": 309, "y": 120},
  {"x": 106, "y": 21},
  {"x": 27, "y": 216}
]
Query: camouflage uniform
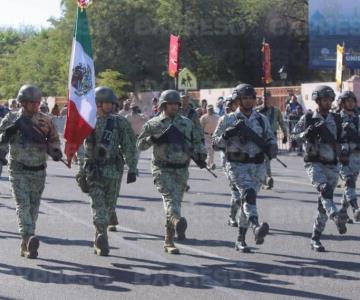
[
  {"x": 104, "y": 175},
  {"x": 170, "y": 163},
  {"x": 245, "y": 164},
  {"x": 321, "y": 164},
  {"x": 27, "y": 168},
  {"x": 109, "y": 146},
  {"x": 350, "y": 171}
]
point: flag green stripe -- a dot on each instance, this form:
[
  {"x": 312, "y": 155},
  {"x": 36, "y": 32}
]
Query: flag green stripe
[{"x": 82, "y": 32}]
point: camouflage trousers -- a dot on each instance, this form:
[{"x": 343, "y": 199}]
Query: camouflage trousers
[
  {"x": 350, "y": 174},
  {"x": 247, "y": 178},
  {"x": 324, "y": 178},
  {"x": 27, "y": 188},
  {"x": 171, "y": 183},
  {"x": 103, "y": 193},
  {"x": 235, "y": 200}
]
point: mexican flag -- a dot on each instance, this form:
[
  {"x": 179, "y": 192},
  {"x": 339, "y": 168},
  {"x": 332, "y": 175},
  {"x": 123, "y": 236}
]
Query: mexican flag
[{"x": 81, "y": 114}]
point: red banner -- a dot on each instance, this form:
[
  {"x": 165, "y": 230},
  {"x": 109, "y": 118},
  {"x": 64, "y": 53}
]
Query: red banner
[
  {"x": 266, "y": 63},
  {"x": 174, "y": 53}
]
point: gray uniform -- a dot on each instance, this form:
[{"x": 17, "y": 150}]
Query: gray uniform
[
  {"x": 321, "y": 165},
  {"x": 245, "y": 160}
]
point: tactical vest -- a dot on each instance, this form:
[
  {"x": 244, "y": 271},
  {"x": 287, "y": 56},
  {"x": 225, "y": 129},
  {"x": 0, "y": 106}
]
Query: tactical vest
[{"x": 315, "y": 157}]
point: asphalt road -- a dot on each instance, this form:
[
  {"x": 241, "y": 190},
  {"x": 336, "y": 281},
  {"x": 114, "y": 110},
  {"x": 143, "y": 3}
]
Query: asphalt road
[{"x": 208, "y": 267}]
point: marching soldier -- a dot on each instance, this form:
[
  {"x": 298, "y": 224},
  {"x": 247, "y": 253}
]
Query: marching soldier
[
  {"x": 175, "y": 141},
  {"x": 31, "y": 136},
  {"x": 246, "y": 137},
  {"x": 276, "y": 120},
  {"x": 106, "y": 148},
  {"x": 321, "y": 131},
  {"x": 350, "y": 163}
]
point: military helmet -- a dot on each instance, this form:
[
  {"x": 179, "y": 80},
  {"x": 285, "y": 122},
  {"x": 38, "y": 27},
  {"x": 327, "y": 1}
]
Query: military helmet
[
  {"x": 243, "y": 89},
  {"x": 29, "y": 93},
  {"x": 229, "y": 100},
  {"x": 169, "y": 96},
  {"x": 346, "y": 94},
  {"x": 105, "y": 94},
  {"x": 323, "y": 91}
]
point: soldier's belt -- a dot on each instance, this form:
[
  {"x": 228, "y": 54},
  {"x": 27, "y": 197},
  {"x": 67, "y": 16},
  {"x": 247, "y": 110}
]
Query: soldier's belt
[
  {"x": 319, "y": 159},
  {"x": 244, "y": 158},
  {"x": 28, "y": 168},
  {"x": 161, "y": 164}
]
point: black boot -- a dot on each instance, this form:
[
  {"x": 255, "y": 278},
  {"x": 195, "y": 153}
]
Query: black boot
[
  {"x": 315, "y": 242},
  {"x": 260, "y": 230},
  {"x": 240, "y": 244},
  {"x": 101, "y": 243}
]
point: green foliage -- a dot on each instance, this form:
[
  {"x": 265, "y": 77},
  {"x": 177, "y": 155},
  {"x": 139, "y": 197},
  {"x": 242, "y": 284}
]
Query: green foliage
[
  {"x": 221, "y": 42},
  {"x": 114, "y": 80}
]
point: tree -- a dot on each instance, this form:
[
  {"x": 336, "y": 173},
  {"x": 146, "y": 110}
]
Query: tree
[{"x": 114, "y": 80}]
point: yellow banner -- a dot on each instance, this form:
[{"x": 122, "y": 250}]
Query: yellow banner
[{"x": 339, "y": 65}]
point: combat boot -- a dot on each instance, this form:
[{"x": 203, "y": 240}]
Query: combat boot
[
  {"x": 315, "y": 242},
  {"x": 113, "y": 221},
  {"x": 269, "y": 183},
  {"x": 340, "y": 219},
  {"x": 180, "y": 225},
  {"x": 240, "y": 244},
  {"x": 29, "y": 246},
  {"x": 260, "y": 230},
  {"x": 101, "y": 244},
  {"x": 169, "y": 245}
]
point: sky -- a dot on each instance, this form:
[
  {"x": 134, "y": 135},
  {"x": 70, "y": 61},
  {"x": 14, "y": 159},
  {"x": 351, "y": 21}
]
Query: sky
[{"x": 16, "y": 13}]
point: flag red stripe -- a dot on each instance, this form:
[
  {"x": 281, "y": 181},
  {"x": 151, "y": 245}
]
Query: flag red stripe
[
  {"x": 174, "y": 56},
  {"x": 76, "y": 130}
]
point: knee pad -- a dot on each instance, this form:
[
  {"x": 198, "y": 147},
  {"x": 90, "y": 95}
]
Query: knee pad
[
  {"x": 250, "y": 196},
  {"x": 326, "y": 191},
  {"x": 350, "y": 182}
]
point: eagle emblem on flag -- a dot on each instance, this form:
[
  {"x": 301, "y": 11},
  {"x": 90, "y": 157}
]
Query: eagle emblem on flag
[{"x": 81, "y": 79}]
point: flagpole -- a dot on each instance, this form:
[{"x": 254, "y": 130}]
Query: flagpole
[
  {"x": 263, "y": 69},
  {"x": 342, "y": 68}
]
